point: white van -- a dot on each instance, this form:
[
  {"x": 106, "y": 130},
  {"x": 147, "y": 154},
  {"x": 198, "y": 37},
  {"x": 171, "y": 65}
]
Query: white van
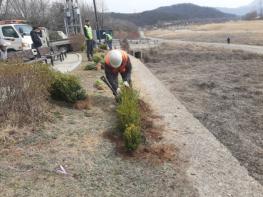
[{"x": 18, "y": 35}]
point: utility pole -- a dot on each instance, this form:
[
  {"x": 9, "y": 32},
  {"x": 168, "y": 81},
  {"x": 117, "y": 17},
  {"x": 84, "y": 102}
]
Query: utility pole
[
  {"x": 80, "y": 20},
  {"x": 261, "y": 10},
  {"x": 96, "y": 18},
  {"x": 1, "y": 1},
  {"x": 72, "y": 18}
]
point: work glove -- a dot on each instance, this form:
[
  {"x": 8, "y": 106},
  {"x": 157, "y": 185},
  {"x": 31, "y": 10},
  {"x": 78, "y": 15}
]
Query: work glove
[
  {"x": 126, "y": 84},
  {"x": 118, "y": 91},
  {"x": 118, "y": 96}
]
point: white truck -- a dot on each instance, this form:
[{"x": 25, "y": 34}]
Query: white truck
[{"x": 17, "y": 33}]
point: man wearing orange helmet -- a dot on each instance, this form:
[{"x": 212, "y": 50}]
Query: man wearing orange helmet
[{"x": 118, "y": 61}]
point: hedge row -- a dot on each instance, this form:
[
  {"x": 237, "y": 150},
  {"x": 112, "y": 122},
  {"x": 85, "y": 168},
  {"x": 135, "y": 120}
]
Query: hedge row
[{"x": 129, "y": 118}]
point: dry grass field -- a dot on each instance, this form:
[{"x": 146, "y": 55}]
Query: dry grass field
[
  {"x": 221, "y": 88},
  {"x": 240, "y": 32}
]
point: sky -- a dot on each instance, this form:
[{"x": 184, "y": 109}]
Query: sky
[{"x": 131, "y": 6}]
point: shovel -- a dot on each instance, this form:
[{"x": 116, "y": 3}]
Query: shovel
[{"x": 104, "y": 79}]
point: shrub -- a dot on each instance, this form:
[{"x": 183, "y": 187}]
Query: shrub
[
  {"x": 23, "y": 93},
  {"x": 102, "y": 55},
  {"x": 99, "y": 85},
  {"x": 97, "y": 58},
  {"x": 132, "y": 137},
  {"x": 82, "y": 48},
  {"x": 91, "y": 66},
  {"x": 67, "y": 88},
  {"x": 103, "y": 47},
  {"x": 128, "y": 112},
  {"x": 128, "y": 108},
  {"x": 98, "y": 82}
]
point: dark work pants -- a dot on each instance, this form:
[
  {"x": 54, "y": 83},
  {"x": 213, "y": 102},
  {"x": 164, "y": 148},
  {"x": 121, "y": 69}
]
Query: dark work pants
[
  {"x": 109, "y": 43},
  {"x": 113, "y": 77},
  {"x": 89, "y": 44}
]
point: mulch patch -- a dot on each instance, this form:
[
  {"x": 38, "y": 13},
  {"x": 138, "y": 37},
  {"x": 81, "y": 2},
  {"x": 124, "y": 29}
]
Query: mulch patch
[{"x": 152, "y": 149}]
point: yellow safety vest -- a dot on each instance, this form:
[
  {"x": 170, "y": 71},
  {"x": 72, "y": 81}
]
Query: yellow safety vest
[
  {"x": 88, "y": 33},
  {"x": 108, "y": 37}
]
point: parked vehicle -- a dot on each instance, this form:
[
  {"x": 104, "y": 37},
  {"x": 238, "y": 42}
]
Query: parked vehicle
[
  {"x": 17, "y": 33},
  {"x": 59, "y": 40}
]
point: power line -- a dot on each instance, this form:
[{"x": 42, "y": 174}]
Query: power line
[
  {"x": 261, "y": 9},
  {"x": 96, "y": 18}
]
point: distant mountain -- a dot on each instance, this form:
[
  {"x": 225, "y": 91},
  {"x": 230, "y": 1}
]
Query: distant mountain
[
  {"x": 172, "y": 13},
  {"x": 254, "y": 6}
]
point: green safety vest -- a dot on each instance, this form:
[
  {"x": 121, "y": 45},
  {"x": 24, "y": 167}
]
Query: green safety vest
[
  {"x": 88, "y": 33},
  {"x": 108, "y": 37}
]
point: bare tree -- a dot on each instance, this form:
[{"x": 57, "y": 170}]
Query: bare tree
[
  {"x": 56, "y": 16},
  {"x": 102, "y": 9},
  {"x": 34, "y": 11},
  {"x": 4, "y": 8},
  {"x": 87, "y": 12},
  {"x": 50, "y": 14},
  {"x": 1, "y": 1}
]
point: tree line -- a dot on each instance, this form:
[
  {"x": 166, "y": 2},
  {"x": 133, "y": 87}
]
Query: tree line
[{"x": 50, "y": 14}]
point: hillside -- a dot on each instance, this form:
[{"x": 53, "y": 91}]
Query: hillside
[
  {"x": 171, "y": 13},
  {"x": 254, "y": 6}
]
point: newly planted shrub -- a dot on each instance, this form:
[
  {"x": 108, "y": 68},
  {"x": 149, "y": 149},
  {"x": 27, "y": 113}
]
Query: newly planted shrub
[
  {"x": 90, "y": 66},
  {"x": 99, "y": 85},
  {"x": 82, "y": 48},
  {"x": 97, "y": 58},
  {"x": 103, "y": 47},
  {"x": 128, "y": 109},
  {"x": 67, "y": 88},
  {"x": 132, "y": 137}
]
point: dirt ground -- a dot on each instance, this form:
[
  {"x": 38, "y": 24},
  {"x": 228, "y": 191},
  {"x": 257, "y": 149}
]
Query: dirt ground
[
  {"x": 30, "y": 163},
  {"x": 221, "y": 88},
  {"x": 240, "y": 32}
]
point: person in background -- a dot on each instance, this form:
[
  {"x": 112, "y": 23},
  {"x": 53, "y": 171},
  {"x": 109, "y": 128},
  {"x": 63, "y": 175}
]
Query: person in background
[
  {"x": 3, "y": 49},
  {"x": 35, "y": 36},
  {"x": 108, "y": 39},
  {"x": 118, "y": 61},
  {"x": 228, "y": 40},
  {"x": 89, "y": 39}
]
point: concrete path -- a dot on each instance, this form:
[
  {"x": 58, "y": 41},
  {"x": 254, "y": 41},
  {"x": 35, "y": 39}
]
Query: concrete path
[
  {"x": 211, "y": 168},
  {"x": 72, "y": 61}
]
